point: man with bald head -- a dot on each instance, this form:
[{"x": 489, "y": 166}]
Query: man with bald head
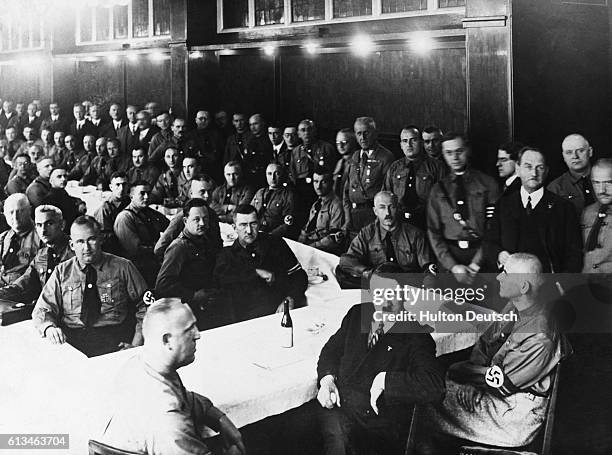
[
  {"x": 89, "y": 299},
  {"x": 499, "y": 396},
  {"x": 19, "y": 244},
  {"x": 575, "y": 184},
  {"x": 385, "y": 240},
  {"x": 596, "y": 221},
  {"x": 174, "y": 424},
  {"x": 534, "y": 220}
]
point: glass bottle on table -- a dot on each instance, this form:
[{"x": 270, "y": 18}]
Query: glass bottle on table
[{"x": 286, "y": 326}]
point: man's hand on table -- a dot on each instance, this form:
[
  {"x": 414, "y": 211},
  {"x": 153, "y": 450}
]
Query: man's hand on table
[
  {"x": 378, "y": 387},
  {"x": 328, "y": 395},
  {"x": 123, "y": 346},
  {"x": 231, "y": 437},
  {"x": 463, "y": 274},
  {"x": 55, "y": 335}
]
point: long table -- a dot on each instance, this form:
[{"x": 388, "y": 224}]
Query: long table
[{"x": 47, "y": 388}]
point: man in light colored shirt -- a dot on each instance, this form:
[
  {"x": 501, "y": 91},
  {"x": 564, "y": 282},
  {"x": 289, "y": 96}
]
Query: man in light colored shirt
[{"x": 153, "y": 413}]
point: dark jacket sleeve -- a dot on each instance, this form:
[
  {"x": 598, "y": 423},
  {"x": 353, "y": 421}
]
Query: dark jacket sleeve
[
  {"x": 332, "y": 352},
  {"x": 168, "y": 282},
  {"x": 291, "y": 277},
  {"x": 492, "y": 244},
  {"x": 572, "y": 251}
]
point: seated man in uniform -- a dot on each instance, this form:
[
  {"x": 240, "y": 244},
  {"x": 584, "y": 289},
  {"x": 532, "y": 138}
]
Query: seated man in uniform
[
  {"x": 19, "y": 244},
  {"x": 371, "y": 372},
  {"x": 141, "y": 168},
  {"x": 259, "y": 270},
  {"x": 71, "y": 207},
  {"x": 323, "y": 230},
  {"x": 137, "y": 228},
  {"x": 187, "y": 268},
  {"x": 499, "y": 396},
  {"x": 108, "y": 211},
  {"x": 89, "y": 299},
  {"x": 40, "y": 187},
  {"x": 153, "y": 413},
  {"x": 49, "y": 224},
  {"x": 232, "y": 193},
  {"x": 597, "y": 223},
  {"x": 276, "y": 204},
  {"x": 386, "y": 240}
]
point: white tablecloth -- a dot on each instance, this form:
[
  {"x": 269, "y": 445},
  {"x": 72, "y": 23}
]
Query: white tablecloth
[{"x": 242, "y": 368}]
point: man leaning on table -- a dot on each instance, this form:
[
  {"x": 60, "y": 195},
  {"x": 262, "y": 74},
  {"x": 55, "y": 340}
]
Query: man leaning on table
[
  {"x": 371, "y": 372},
  {"x": 259, "y": 270},
  {"x": 499, "y": 396},
  {"x": 89, "y": 300},
  {"x": 153, "y": 413}
]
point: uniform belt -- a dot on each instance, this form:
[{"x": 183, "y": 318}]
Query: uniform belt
[
  {"x": 362, "y": 205},
  {"x": 464, "y": 244}
]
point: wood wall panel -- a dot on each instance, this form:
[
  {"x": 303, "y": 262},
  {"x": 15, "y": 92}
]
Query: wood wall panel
[
  {"x": 395, "y": 87},
  {"x": 148, "y": 81},
  {"x": 21, "y": 83},
  {"x": 100, "y": 82}
]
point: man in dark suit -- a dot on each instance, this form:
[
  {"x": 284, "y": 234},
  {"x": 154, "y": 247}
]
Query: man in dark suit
[
  {"x": 110, "y": 129},
  {"x": 81, "y": 126},
  {"x": 371, "y": 372},
  {"x": 534, "y": 220},
  {"x": 31, "y": 120},
  {"x": 55, "y": 121},
  {"x": 507, "y": 155},
  {"x": 128, "y": 134},
  {"x": 146, "y": 130}
]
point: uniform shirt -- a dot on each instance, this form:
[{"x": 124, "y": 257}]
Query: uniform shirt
[
  {"x": 138, "y": 231},
  {"x": 81, "y": 166},
  {"x": 17, "y": 184},
  {"x": 527, "y": 354},
  {"x": 282, "y": 156},
  {"x": 147, "y": 172},
  {"x": 598, "y": 260},
  {"x": 28, "y": 247},
  {"x": 154, "y": 414},
  {"x": 368, "y": 249},
  {"x": 37, "y": 190},
  {"x": 235, "y": 146},
  {"x": 120, "y": 287},
  {"x": 106, "y": 216},
  {"x": 187, "y": 267},
  {"x": 364, "y": 181},
  {"x": 58, "y": 155},
  {"x": 340, "y": 176},
  {"x": 275, "y": 208},
  {"x": 305, "y": 159},
  {"x": 482, "y": 193},
  {"x": 330, "y": 217},
  {"x": 167, "y": 186},
  {"x": 157, "y": 156},
  {"x": 29, "y": 285},
  {"x": 241, "y": 194},
  {"x": 95, "y": 173},
  {"x": 427, "y": 173},
  {"x": 161, "y": 137},
  {"x": 568, "y": 186}
]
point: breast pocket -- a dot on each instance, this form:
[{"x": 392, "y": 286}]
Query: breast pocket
[
  {"x": 377, "y": 254},
  {"x": 72, "y": 297},
  {"x": 112, "y": 297}
]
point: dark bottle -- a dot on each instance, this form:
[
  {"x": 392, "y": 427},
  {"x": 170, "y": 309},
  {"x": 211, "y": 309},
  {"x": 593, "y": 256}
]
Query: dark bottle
[{"x": 286, "y": 326}]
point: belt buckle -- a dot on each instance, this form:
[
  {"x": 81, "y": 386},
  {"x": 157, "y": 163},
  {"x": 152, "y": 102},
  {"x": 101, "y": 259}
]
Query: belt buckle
[{"x": 463, "y": 244}]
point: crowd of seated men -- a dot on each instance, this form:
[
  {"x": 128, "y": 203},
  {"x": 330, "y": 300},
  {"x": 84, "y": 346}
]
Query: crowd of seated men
[{"x": 427, "y": 212}]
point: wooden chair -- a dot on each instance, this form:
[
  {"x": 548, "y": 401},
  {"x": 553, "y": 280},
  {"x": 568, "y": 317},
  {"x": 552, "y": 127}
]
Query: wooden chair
[
  {"x": 540, "y": 446},
  {"x": 98, "y": 448}
]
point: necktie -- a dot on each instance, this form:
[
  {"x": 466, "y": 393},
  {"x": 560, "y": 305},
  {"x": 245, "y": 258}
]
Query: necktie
[
  {"x": 375, "y": 335},
  {"x": 460, "y": 197},
  {"x": 529, "y": 207},
  {"x": 410, "y": 195},
  {"x": 389, "y": 250},
  {"x": 587, "y": 191},
  {"x": 312, "y": 223},
  {"x": 90, "y": 308},
  {"x": 138, "y": 175},
  {"x": 173, "y": 187},
  {"x": 11, "y": 257},
  {"x": 364, "y": 158},
  {"x": 592, "y": 239}
]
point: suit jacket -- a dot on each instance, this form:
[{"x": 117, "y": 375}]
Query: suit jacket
[
  {"x": 514, "y": 187},
  {"x": 108, "y": 129},
  {"x": 54, "y": 125},
  {"x": 128, "y": 140},
  {"x": 87, "y": 128},
  {"x": 146, "y": 140},
  {"x": 560, "y": 232},
  {"x": 413, "y": 375}
]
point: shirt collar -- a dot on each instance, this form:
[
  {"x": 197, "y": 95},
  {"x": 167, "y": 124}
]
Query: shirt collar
[
  {"x": 97, "y": 265},
  {"x": 54, "y": 117},
  {"x": 575, "y": 177},
  {"x": 535, "y": 196},
  {"x": 60, "y": 245},
  {"x": 511, "y": 179}
]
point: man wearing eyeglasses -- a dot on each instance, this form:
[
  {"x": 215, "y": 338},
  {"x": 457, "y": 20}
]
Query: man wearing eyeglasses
[
  {"x": 534, "y": 220},
  {"x": 413, "y": 177},
  {"x": 575, "y": 184},
  {"x": 596, "y": 221}
]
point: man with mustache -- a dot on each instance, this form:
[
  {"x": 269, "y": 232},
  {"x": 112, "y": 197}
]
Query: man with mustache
[
  {"x": 575, "y": 184},
  {"x": 534, "y": 220},
  {"x": 596, "y": 224}
]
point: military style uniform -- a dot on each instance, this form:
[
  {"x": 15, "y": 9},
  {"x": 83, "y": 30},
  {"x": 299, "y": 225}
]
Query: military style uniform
[
  {"x": 365, "y": 177},
  {"x": 599, "y": 259},
  {"x": 223, "y": 197},
  {"x": 106, "y": 215},
  {"x": 81, "y": 166},
  {"x": 167, "y": 186},
  {"x": 282, "y": 156},
  {"x": 235, "y": 146},
  {"x": 147, "y": 172},
  {"x": 303, "y": 162},
  {"x": 369, "y": 249},
  {"x": 275, "y": 210},
  {"x": 412, "y": 182},
  {"x": 340, "y": 175},
  {"x": 17, "y": 184},
  {"x": 456, "y": 237},
  {"x": 28, "y": 286},
  {"x": 323, "y": 228},
  {"x": 37, "y": 190},
  {"x": 575, "y": 188},
  {"x": 16, "y": 253}
]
